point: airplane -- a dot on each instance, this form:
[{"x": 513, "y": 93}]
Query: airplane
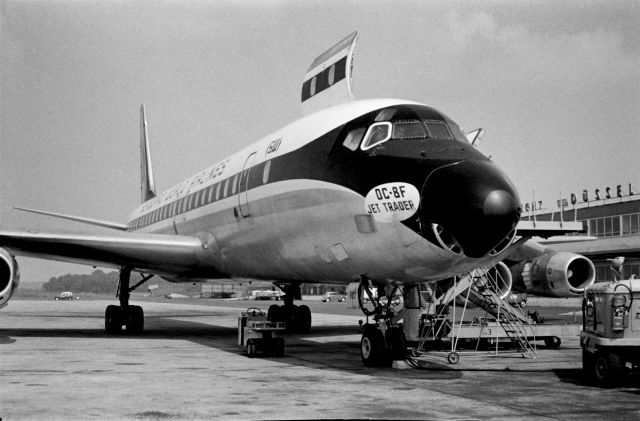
[{"x": 388, "y": 193}]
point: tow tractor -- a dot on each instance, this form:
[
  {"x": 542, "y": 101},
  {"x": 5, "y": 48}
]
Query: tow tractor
[
  {"x": 256, "y": 334},
  {"x": 610, "y": 337}
]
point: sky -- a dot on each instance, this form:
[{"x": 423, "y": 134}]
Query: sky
[{"x": 555, "y": 85}]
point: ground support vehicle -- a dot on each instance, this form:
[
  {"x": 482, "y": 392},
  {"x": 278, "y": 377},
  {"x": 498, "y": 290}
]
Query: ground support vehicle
[
  {"x": 610, "y": 337},
  {"x": 256, "y": 334}
]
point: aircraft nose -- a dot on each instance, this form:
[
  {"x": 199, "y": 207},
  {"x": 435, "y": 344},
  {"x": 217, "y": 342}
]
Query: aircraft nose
[{"x": 471, "y": 204}]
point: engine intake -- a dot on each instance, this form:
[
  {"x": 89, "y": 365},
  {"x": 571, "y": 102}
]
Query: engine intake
[
  {"x": 9, "y": 276},
  {"x": 558, "y": 274}
]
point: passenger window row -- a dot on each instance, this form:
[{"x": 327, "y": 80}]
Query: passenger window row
[{"x": 218, "y": 191}]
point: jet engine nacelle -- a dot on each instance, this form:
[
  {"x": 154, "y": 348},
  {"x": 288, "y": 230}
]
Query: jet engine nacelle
[
  {"x": 558, "y": 274},
  {"x": 503, "y": 278},
  {"x": 9, "y": 276},
  {"x": 500, "y": 280}
]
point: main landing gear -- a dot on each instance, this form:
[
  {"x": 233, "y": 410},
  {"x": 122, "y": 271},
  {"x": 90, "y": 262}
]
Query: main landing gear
[
  {"x": 296, "y": 318},
  {"x": 383, "y": 341},
  {"x": 130, "y": 316}
]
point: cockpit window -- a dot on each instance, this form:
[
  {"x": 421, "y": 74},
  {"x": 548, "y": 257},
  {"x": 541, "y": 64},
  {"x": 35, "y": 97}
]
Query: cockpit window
[
  {"x": 438, "y": 129},
  {"x": 353, "y": 138},
  {"x": 377, "y": 134},
  {"x": 408, "y": 130}
]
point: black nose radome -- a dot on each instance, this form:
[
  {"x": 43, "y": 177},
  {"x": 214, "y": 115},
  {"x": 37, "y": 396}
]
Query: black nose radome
[{"x": 474, "y": 203}]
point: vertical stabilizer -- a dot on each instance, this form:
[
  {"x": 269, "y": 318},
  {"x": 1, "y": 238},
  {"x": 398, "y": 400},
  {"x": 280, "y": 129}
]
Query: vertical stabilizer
[
  {"x": 328, "y": 80},
  {"x": 147, "y": 184}
]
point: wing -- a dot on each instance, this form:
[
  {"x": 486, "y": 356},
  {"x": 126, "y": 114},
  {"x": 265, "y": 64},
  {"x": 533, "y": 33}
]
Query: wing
[
  {"x": 172, "y": 256},
  {"x": 546, "y": 229}
]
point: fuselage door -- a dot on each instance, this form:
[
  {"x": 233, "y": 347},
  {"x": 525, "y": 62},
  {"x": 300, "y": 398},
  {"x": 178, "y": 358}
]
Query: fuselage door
[{"x": 243, "y": 187}]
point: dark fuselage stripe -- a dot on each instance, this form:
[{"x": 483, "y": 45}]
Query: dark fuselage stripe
[{"x": 327, "y": 159}]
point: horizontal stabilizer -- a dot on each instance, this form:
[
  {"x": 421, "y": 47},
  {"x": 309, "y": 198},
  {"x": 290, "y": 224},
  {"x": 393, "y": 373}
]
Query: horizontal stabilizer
[
  {"x": 105, "y": 224},
  {"x": 328, "y": 80},
  {"x": 546, "y": 229}
]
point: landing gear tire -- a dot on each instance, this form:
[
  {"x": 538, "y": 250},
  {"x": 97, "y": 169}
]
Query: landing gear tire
[
  {"x": 113, "y": 320},
  {"x": 304, "y": 319},
  {"x": 135, "y": 324},
  {"x": 372, "y": 349},
  {"x": 453, "y": 358},
  {"x": 274, "y": 313},
  {"x": 397, "y": 343}
]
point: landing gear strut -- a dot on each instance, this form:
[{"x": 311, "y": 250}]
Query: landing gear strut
[
  {"x": 130, "y": 316},
  {"x": 383, "y": 341},
  {"x": 297, "y": 318}
]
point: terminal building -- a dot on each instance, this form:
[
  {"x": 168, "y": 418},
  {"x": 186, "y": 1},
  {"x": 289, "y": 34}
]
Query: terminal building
[{"x": 615, "y": 225}]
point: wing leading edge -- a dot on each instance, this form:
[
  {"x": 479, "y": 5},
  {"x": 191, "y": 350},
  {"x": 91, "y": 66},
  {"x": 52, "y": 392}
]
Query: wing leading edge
[{"x": 170, "y": 256}]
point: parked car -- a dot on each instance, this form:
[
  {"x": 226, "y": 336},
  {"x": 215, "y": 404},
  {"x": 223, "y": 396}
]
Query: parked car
[
  {"x": 66, "y": 295},
  {"x": 333, "y": 296},
  {"x": 517, "y": 299}
]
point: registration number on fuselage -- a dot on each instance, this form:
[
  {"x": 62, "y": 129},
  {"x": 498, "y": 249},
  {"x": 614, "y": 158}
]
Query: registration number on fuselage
[{"x": 392, "y": 201}]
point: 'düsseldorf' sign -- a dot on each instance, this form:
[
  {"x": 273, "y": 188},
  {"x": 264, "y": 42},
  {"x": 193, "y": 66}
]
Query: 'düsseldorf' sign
[{"x": 601, "y": 195}]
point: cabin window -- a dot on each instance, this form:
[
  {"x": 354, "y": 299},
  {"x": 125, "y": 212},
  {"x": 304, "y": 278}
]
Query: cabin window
[
  {"x": 352, "y": 141},
  {"x": 332, "y": 74},
  {"x": 438, "y": 129},
  {"x": 234, "y": 184},
  {"x": 226, "y": 188},
  {"x": 408, "y": 130},
  {"x": 313, "y": 86},
  {"x": 265, "y": 173},
  {"x": 378, "y": 133},
  {"x": 210, "y": 199},
  {"x": 218, "y": 190}
]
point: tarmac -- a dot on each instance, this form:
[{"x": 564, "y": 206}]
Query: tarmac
[{"x": 56, "y": 362}]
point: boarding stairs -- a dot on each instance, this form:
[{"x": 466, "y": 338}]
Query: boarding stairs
[
  {"x": 480, "y": 286},
  {"x": 484, "y": 292}
]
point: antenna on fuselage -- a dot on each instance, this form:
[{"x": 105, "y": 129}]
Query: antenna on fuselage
[{"x": 147, "y": 184}]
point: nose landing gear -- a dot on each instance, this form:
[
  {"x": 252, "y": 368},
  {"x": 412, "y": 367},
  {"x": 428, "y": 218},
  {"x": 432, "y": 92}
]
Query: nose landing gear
[{"x": 382, "y": 341}]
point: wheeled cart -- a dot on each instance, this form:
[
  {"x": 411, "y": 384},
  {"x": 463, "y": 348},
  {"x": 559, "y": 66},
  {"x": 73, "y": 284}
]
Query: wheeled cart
[
  {"x": 610, "y": 336},
  {"x": 256, "y": 334}
]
